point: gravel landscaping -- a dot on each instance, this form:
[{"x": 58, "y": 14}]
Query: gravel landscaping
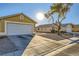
[{"x": 54, "y": 36}]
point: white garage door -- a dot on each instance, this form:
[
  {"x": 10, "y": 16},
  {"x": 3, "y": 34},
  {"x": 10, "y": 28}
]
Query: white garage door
[
  {"x": 68, "y": 30},
  {"x": 17, "y": 29}
]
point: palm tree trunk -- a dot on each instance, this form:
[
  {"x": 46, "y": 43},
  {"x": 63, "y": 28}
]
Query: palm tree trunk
[
  {"x": 59, "y": 27},
  {"x": 58, "y": 30},
  {"x": 52, "y": 22}
]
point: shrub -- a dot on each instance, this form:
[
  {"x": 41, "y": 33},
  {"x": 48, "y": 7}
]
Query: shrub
[
  {"x": 53, "y": 31},
  {"x": 63, "y": 32}
]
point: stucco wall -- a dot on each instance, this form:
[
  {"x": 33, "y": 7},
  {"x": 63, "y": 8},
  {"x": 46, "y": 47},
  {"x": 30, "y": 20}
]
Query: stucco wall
[
  {"x": 43, "y": 29},
  {"x": 75, "y": 29},
  {"x": 2, "y": 26}
]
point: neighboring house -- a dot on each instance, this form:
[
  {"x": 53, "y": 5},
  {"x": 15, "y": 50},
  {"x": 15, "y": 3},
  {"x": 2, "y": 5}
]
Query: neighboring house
[
  {"x": 16, "y": 24},
  {"x": 65, "y": 27},
  {"x": 76, "y": 28},
  {"x": 44, "y": 28},
  {"x": 70, "y": 27}
]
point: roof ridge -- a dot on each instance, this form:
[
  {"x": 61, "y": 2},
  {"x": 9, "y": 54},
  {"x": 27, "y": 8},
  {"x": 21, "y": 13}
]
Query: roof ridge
[
  {"x": 2, "y": 17},
  {"x": 10, "y": 15}
]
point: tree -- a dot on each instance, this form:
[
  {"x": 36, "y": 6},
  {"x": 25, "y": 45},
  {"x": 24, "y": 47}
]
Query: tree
[{"x": 60, "y": 9}]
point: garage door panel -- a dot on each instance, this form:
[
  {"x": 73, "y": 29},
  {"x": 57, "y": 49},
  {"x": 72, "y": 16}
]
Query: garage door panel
[{"x": 17, "y": 29}]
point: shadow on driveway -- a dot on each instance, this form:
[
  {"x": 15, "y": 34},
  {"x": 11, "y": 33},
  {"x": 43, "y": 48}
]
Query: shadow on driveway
[{"x": 14, "y": 45}]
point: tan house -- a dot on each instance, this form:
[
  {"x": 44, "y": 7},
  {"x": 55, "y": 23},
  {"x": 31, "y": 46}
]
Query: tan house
[
  {"x": 44, "y": 28},
  {"x": 70, "y": 28},
  {"x": 75, "y": 28},
  {"x": 65, "y": 27},
  {"x": 16, "y": 24}
]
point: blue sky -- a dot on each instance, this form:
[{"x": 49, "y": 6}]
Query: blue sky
[{"x": 31, "y": 9}]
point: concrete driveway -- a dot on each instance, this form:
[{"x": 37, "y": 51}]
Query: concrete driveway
[
  {"x": 41, "y": 46},
  {"x": 44, "y": 46}
]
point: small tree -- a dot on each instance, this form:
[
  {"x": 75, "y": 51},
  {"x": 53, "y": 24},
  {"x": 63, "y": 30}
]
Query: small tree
[{"x": 60, "y": 10}]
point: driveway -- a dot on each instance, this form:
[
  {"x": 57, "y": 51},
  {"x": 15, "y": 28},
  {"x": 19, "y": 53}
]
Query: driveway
[
  {"x": 71, "y": 51},
  {"x": 14, "y": 45},
  {"x": 41, "y": 45}
]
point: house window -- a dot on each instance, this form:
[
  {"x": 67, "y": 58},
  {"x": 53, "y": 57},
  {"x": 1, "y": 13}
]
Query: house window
[{"x": 21, "y": 17}]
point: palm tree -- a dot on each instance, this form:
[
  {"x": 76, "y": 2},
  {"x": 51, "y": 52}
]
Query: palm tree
[{"x": 60, "y": 9}]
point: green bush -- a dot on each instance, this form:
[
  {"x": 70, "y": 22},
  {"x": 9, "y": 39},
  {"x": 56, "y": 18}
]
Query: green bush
[
  {"x": 53, "y": 31},
  {"x": 62, "y": 31}
]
